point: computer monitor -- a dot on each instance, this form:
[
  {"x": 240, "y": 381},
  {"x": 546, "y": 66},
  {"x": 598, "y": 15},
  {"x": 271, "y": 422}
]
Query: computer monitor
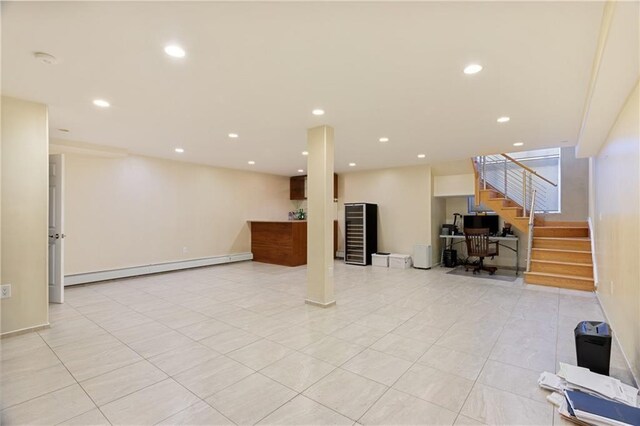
[{"x": 491, "y": 221}]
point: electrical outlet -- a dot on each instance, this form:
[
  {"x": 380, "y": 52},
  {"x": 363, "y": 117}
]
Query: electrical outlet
[
  {"x": 5, "y": 291},
  {"x": 185, "y": 250},
  {"x": 611, "y": 287}
]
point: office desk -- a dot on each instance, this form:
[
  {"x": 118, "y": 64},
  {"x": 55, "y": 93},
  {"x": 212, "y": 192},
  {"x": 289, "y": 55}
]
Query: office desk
[{"x": 457, "y": 239}]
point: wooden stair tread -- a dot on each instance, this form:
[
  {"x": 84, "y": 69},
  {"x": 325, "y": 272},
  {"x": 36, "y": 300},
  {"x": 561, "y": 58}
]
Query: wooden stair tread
[
  {"x": 563, "y": 238},
  {"x": 567, "y": 277},
  {"x": 559, "y": 227},
  {"x": 512, "y": 208},
  {"x": 556, "y": 262},
  {"x": 580, "y": 223},
  {"x": 562, "y": 250}
]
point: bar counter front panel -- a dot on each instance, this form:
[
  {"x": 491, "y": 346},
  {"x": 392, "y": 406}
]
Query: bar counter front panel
[{"x": 282, "y": 242}]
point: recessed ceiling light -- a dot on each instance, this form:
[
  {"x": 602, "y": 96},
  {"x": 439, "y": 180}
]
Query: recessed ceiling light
[
  {"x": 233, "y": 135},
  {"x": 63, "y": 130},
  {"x": 384, "y": 139},
  {"x": 305, "y": 152},
  {"x": 317, "y": 112},
  {"x": 503, "y": 119},
  {"x": 175, "y": 51},
  {"x": 179, "y": 150},
  {"x": 300, "y": 171},
  {"x": 251, "y": 162},
  {"x": 45, "y": 58},
  {"x": 472, "y": 69},
  {"x": 421, "y": 155},
  {"x": 101, "y": 103},
  {"x": 518, "y": 144},
  {"x": 352, "y": 164}
]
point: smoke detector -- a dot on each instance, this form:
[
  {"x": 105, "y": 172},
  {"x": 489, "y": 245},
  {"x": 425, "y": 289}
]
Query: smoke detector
[{"x": 45, "y": 58}]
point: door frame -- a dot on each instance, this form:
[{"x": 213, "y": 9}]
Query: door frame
[{"x": 55, "y": 260}]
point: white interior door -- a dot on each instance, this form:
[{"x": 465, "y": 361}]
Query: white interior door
[{"x": 56, "y": 228}]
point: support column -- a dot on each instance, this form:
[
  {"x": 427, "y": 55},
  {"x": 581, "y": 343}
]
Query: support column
[{"x": 320, "y": 222}]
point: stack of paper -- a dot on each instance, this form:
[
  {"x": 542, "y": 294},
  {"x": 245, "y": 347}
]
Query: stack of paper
[
  {"x": 580, "y": 378},
  {"x": 599, "y": 411},
  {"x": 589, "y": 398}
]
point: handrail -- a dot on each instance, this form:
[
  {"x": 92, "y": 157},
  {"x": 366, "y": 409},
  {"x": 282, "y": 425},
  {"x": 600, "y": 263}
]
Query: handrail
[
  {"x": 530, "y": 236},
  {"x": 530, "y": 170}
]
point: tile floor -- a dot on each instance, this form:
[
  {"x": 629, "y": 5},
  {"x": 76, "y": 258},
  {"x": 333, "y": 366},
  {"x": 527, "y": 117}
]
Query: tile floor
[{"x": 235, "y": 344}]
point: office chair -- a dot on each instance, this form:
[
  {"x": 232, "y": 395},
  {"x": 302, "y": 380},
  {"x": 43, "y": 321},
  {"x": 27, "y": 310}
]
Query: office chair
[{"x": 478, "y": 245}]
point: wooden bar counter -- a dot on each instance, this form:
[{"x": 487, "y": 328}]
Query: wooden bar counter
[
  {"x": 283, "y": 242},
  {"x": 280, "y": 243}
]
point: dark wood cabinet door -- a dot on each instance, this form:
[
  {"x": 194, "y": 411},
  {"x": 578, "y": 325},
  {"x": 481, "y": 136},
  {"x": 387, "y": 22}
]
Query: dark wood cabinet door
[{"x": 296, "y": 188}]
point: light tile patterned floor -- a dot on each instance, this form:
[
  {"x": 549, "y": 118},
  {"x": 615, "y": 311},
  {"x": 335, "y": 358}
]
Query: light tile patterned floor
[{"x": 236, "y": 344}]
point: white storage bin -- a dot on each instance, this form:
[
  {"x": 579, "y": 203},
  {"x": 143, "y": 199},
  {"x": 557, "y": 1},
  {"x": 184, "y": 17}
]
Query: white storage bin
[
  {"x": 380, "y": 260},
  {"x": 399, "y": 261}
]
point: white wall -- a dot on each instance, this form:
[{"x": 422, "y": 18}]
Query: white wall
[
  {"x": 616, "y": 219},
  {"x": 25, "y": 166},
  {"x": 453, "y": 185},
  {"x": 574, "y": 188},
  {"x": 132, "y": 210},
  {"x": 438, "y": 217},
  {"x": 403, "y": 195}
]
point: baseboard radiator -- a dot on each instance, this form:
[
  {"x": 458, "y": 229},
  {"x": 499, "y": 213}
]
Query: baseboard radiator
[{"x": 133, "y": 271}]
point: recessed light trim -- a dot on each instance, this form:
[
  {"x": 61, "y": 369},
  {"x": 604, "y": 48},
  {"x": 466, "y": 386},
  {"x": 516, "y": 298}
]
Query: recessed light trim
[
  {"x": 233, "y": 135},
  {"x": 384, "y": 139},
  {"x": 175, "y": 51},
  {"x": 300, "y": 170},
  {"x": 472, "y": 69},
  {"x": 179, "y": 150},
  {"x": 503, "y": 119},
  {"x": 101, "y": 103},
  {"x": 422, "y": 156},
  {"x": 352, "y": 164},
  {"x": 317, "y": 111},
  {"x": 251, "y": 162},
  {"x": 518, "y": 144},
  {"x": 305, "y": 153}
]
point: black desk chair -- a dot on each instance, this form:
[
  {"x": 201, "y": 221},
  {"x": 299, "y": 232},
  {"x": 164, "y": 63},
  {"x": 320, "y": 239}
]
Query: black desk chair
[{"x": 478, "y": 245}]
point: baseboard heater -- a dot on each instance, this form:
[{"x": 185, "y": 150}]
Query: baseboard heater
[{"x": 132, "y": 271}]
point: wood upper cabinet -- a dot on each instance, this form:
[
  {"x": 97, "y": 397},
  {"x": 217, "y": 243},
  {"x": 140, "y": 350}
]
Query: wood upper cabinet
[
  {"x": 297, "y": 188},
  {"x": 298, "y": 184}
]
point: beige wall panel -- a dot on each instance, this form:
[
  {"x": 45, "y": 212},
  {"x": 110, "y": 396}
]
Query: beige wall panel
[
  {"x": 131, "y": 211},
  {"x": 25, "y": 165},
  {"x": 617, "y": 228}
]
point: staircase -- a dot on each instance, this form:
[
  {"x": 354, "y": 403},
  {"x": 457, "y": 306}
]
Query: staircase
[
  {"x": 561, "y": 256},
  {"x": 559, "y": 252}
]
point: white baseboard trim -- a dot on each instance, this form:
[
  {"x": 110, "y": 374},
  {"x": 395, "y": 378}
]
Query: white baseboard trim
[
  {"x": 593, "y": 252},
  {"x": 615, "y": 336},
  {"x": 24, "y": 330},
  {"x": 112, "y": 274}
]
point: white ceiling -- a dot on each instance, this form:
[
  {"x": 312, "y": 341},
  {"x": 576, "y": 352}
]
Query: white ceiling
[{"x": 258, "y": 69}]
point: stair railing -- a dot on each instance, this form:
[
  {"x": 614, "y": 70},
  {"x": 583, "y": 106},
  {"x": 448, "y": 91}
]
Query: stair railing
[
  {"x": 516, "y": 182},
  {"x": 530, "y": 236}
]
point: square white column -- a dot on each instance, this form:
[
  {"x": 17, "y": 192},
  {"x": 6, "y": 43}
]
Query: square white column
[{"x": 320, "y": 291}]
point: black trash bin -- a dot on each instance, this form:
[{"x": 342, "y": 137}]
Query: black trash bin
[
  {"x": 450, "y": 258},
  {"x": 593, "y": 346}
]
